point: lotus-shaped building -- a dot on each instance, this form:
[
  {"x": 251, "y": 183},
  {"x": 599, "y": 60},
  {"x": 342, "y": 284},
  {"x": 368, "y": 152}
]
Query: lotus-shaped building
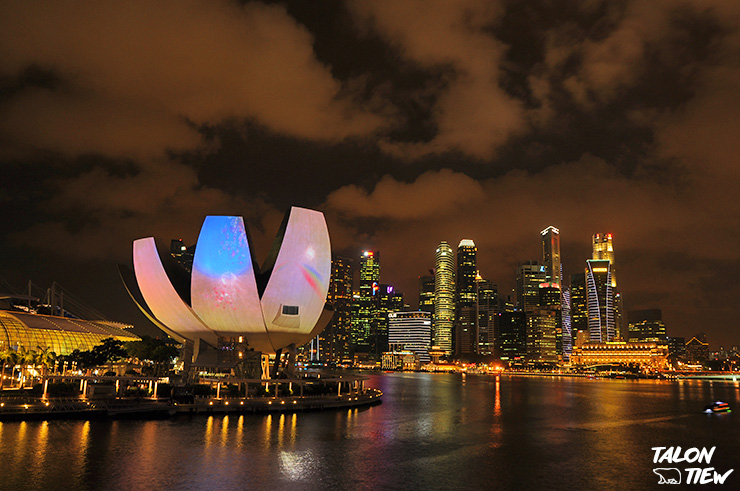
[{"x": 229, "y": 300}]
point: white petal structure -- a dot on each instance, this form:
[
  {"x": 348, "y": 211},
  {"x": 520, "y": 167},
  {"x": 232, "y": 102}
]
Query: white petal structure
[
  {"x": 227, "y": 300},
  {"x": 296, "y": 291}
]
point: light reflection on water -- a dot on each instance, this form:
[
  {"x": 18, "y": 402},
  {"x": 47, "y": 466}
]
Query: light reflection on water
[{"x": 432, "y": 431}]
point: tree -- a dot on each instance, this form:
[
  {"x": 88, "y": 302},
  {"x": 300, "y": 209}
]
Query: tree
[
  {"x": 8, "y": 356},
  {"x": 158, "y": 351},
  {"x": 109, "y": 350},
  {"x": 45, "y": 358},
  {"x": 25, "y": 358}
]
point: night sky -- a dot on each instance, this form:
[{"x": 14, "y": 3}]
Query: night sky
[{"x": 405, "y": 122}]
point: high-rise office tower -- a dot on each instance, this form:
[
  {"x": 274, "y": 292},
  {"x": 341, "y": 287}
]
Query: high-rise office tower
[
  {"x": 444, "y": 297},
  {"x": 358, "y": 337},
  {"x": 528, "y": 279},
  {"x": 565, "y": 312},
  {"x": 426, "y": 293},
  {"x": 389, "y": 300},
  {"x": 603, "y": 248},
  {"x": 551, "y": 255},
  {"x": 600, "y": 301},
  {"x": 512, "y": 335},
  {"x": 368, "y": 300},
  {"x": 488, "y": 308},
  {"x": 646, "y": 325},
  {"x": 334, "y": 340},
  {"x": 578, "y": 304},
  {"x": 543, "y": 324},
  {"x": 467, "y": 271},
  {"x": 465, "y": 331},
  {"x": 412, "y": 331}
]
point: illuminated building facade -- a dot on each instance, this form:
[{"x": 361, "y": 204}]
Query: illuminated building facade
[
  {"x": 487, "y": 317},
  {"x": 542, "y": 339},
  {"x": 603, "y": 249},
  {"x": 426, "y": 293},
  {"x": 551, "y": 255},
  {"x": 62, "y": 335},
  {"x": 651, "y": 355},
  {"x": 232, "y": 301},
  {"x": 465, "y": 332},
  {"x": 368, "y": 301},
  {"x": 600, "y": 301},
  {"x": 578, "y": 303},
  {"x": 646, "y": 325},
  {"x": 567, "y": 330},
  {"x": 389, "y": 300},
  {"x": 512, "y": 335},
  {"x": 697, "y": 349},
  {"x": 411, "y": 331},
  {"x": 528, "y": 279},
  {"x": 444, "y": 297},
  {"x": 334, "y": 341}
]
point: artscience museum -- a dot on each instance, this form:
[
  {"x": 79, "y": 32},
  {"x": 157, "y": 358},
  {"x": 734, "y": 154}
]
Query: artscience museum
[{"x": 229, "y": 304}]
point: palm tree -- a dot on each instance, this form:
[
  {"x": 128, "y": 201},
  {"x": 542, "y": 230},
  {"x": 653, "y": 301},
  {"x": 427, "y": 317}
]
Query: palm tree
[
  {"x": 8, "y": 355},
  {"x": 46, "y": 358},
  {"x": 25, "y": 358}
]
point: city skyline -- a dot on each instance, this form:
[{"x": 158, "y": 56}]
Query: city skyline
[{"x": 405, "y": 123}]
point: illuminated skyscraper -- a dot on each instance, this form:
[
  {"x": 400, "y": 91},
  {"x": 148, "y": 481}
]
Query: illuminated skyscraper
[
  {"x": 426, "y": 293},
  {"x": 513, "y": 335},
  {"x": 543, "y": 324},
  {"x": 465, "y": 332},
  {"x": 551, "y": 255},
  {"x": 368, "y": 300},
  {"x": 600, "y": 301},
  {"x": 389, "y": 300},
  {"x": 334, "y": 340},
  {"x": 444, "y": 297},
  {"x": 578, "y": 304},
  {"x": 565, "y": 312},
  {"x": 529, "y": 277},
  {"x": 467, "y": 271},
  {"x": 487, "y": 317},
  {"x": 603, "y": 248}
]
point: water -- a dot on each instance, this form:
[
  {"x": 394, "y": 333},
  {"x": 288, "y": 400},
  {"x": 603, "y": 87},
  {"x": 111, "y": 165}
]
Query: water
[{"x": 433, "y": 431}]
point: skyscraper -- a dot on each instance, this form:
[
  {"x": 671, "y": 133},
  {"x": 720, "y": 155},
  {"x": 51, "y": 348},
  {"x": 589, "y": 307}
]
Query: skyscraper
[
  {"x": 389, "y": 300},
  {"x": 465, "y": 332},
  {"x": 528, "y": 279},
  {"x": 368, "y": 300},
  {"x": 600, "y": 301},
  {"x": 487, "y": 317},
  {"x": 565, "y": 312},
  {"x": 426, "y": 293},
  {"x": 444, "y": 297},
  {"x": 542, "y": 326},
  {"x": 334, "y": 341},
  {"x": 513, "y": 335},
  {"x": 578, "y": 304},
  {"x": 603, "y": 248},
  {"x": 551, "y": 255}
]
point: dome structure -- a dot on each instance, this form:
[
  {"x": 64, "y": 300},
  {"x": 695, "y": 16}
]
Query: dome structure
[{"x": 228, "y": 297}]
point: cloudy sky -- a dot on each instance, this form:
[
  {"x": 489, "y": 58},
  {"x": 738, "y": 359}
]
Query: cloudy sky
[{"x": 406, "y": 122}]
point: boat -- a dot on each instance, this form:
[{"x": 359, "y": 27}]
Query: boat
[{"x": 717, "y": 407}]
